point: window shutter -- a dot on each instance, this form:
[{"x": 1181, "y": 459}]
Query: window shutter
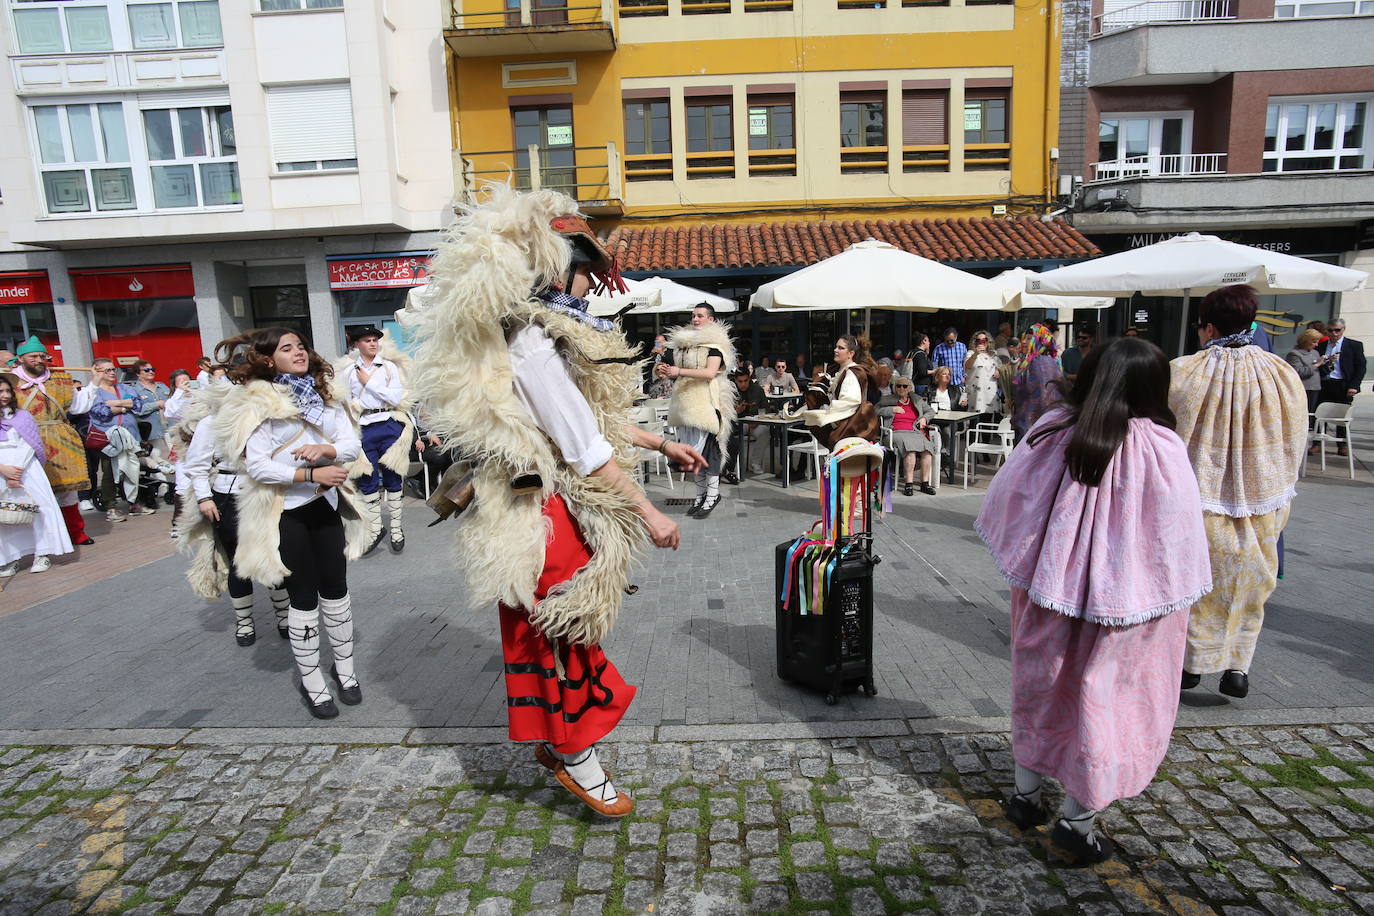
[
  {"x": 924, "y": 117},
  {"x": 311, "y": 122}
]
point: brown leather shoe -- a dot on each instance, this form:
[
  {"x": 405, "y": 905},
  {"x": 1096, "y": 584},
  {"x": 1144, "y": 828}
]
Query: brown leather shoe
[
  {"x": 622, "y": 805},
  {"x": 552, "y": 763}
]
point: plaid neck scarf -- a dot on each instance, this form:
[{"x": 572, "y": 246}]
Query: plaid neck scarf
[
  {"x": 574, "y": 307},
  {"x": 306, "y": 398}
]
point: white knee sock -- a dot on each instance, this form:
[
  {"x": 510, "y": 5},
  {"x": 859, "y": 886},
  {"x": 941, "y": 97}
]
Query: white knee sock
[
  {"x": 338, "y": 623},
  {"x": 393, "y": 509},
  {"x": 1079, "y": 816},
  {"x": 585, "y": 769},
  {"x": 281, "y": 601},
  {"x": 1028, "y": 784},
  {"x": 305, "y": 645},
  {"x": 713, "y": 486},
  {"x": 243, "y": 615},
  {"x": 372, "y": 506},
  {"x": 702, "y": 485}
]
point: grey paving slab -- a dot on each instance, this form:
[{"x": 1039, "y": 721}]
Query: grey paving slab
[{"x": 139, "y": 651}]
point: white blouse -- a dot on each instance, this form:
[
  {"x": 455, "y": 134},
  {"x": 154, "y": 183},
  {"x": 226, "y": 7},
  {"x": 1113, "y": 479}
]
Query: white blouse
[
  {"x": 202, "y": 456},
  {"x": 269, "y": 459},
  {"x": 383, "y": 390},
  {"x": 547, "y": 391}
]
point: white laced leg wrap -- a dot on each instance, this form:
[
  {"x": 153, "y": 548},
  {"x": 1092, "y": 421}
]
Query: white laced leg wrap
[
  {"x": 338, "y": 624},
  {"x": 305, "y": 646}
]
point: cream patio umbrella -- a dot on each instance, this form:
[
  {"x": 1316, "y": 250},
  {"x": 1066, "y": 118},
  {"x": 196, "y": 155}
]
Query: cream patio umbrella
[
  {"x": 673, "y": 297},
  {"x": 638, "y": 297},
  {"x": 875, "y": 275},
  {"x": 1014, "y": 283},
  {"x": 1192, "y": 264}
]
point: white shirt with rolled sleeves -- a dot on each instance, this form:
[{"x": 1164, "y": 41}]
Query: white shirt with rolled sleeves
[
  {"x": 552, "y": 398},
  {"x": 383, "y": 391},
  {"x": 200, "y": 459},
  {"x": 268, "y": 458}
]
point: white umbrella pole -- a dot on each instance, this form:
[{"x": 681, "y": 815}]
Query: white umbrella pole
[{"x": 1183, "y": 325}]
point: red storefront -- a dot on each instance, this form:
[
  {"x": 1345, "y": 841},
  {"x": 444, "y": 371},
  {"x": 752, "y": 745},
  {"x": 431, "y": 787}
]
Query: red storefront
[
  {"x": 26, "y": 309},
  {"x": 142, "y": 313}
]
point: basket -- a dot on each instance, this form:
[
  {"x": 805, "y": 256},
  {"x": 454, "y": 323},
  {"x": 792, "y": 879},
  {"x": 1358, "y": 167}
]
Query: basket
[{"x": 17, "y": 507}]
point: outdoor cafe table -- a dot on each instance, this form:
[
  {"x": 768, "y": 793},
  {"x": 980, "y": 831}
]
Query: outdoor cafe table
[
  {"x": 952, "y": 424},
  {"x": 777, "y": 429}
]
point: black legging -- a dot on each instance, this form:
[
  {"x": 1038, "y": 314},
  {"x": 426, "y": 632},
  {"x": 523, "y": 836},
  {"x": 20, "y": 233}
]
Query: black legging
[
  {"x": 312, "y": 548},
  {"x": 227, "y": 533}
]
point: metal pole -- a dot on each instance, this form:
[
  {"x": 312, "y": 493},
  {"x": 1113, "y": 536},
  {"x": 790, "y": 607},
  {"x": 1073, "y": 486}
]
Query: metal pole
[{"x": 1183, "y": 325}]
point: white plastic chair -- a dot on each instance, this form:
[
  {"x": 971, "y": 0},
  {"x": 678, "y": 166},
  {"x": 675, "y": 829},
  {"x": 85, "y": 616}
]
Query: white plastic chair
[
  {"x": 653, "y": 456},
  {"x": 936, "y": 441},
  {"x": 1328, "y": 418},
  {"x": 808, "y": 446},
  {"x": 988, "y": 439}
]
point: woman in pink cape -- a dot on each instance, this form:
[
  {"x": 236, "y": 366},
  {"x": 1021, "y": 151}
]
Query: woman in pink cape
[{"x": 1096, "y": 522}]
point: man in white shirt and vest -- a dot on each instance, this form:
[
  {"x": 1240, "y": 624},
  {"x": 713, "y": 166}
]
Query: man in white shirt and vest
[{"x": 378, "y": 391}]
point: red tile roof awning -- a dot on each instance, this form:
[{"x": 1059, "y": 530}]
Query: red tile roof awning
[{"x": 718, "y": 246}]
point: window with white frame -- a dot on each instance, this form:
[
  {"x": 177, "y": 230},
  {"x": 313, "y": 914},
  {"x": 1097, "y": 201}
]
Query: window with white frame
[
  {"x": 108, "y": 156},
  {"x": 272, "y": 6},
  {"x": 192, "y": 157},
  {"x": 84, "y": 158},
  {"x": 1149, "y": 143},
  {"x": 50, "y": 27},
  {"x": 312, "y": 127},
  {"x": 1304, "y": 8},
  {"x": 1317, "y": 134},
  {"x": 61, "y": 26}
]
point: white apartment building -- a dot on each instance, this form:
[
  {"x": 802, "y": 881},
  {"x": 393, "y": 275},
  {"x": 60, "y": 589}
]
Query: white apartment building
[{"x": 175, "y": 171}]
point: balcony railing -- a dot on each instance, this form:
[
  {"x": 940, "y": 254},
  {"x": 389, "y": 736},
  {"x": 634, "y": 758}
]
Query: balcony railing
[
  {"x": 648, "y": 166},
  {"x": 774, "y": 162},
  {"x": 1162, "y": 11},
  {"x": 526, "y": 15},
  {"x": 928, "y": 158},
  {"x": 592, "y": 177},
  {"x": 987, "y": 156},
  {"x": 859, "y": 159},
  {"x": 714, "y": 164},
  {"x": 1160, "y": 167}
]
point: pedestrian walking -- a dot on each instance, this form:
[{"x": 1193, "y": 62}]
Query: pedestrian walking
[
  {"x": 700, "y": 362},
  {"x": 23, "y": 484},
  {"x": 1095, "y": 646},
  {"x": 556, "y": 518},
  {"x": 1033, "y": 391},
  {"x": 298, "y": 520},
  {"x": 1242, "y": 413}
]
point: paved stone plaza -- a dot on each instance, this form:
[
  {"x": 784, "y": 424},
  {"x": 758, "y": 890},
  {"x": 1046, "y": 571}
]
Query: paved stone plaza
[{"x": 148, "y": 764}]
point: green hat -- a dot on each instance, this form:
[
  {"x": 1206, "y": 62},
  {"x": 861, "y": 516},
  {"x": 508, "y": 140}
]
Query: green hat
[{"x": 32, "y": 345}]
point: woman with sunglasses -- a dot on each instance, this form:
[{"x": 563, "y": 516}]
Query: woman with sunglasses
[
  {"x": 113, "y": 405},
  {"x": 154, "y": 395},
  {"x": 982, "y": 394},
  {"x": 912, "y": 435}
]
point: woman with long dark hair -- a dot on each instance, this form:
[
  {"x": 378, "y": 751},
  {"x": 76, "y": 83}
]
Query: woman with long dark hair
[
  {"x": 297, "y": 524},
  {"x": 1096, "y": 523}
]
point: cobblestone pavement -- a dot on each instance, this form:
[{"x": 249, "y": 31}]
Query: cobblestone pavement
[{"x": 1241, "y": 821}]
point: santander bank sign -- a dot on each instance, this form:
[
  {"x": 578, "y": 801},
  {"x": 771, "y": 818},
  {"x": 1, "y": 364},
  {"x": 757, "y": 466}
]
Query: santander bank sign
[{"x": 20, "y": 289}]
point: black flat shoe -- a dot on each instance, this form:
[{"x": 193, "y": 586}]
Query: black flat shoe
[
  {"x": 246, "y": 640},
  {"x": 1025, "y": 813},
  {"x": 696, "y": 507},
  {"x": 398, "y": 544},
  {"x": 730, "y": 479},
  {"x": 325, "y": 710},
  {"x": 1234, "y": 683},
  {"x": 375, "y": 541},
  {"x": 1082, "y": 850},
  {"x": 927, "y": 489},
  {"x": 1189, "y": 680},
  {"x": 908, "y": 489},
  {"x": 350, "y": 696},
  {"x": 284, "y": 632},
  {"x": 708, "y": 506},
  {"x": 85, "y": 541}
]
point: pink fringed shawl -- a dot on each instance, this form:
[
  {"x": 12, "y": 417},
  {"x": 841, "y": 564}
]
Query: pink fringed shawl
[{"x": 1126, "y": 551}]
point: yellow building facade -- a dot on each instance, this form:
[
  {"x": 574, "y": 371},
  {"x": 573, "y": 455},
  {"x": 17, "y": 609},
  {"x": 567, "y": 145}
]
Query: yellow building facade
[{"x": 672, "y": 112}]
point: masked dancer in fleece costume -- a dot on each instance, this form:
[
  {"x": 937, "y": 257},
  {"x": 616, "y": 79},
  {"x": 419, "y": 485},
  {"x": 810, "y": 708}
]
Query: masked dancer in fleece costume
[
  {"x": 209, "y": 535},
  {"x": 703, "y": 406},
  {"x": 298, "y": 522},
  {"x": 515, "y": 375},
  {"x": 373, "y": 379}
]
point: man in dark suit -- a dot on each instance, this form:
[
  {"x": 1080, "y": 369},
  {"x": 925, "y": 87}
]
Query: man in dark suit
[{"x": 1344, "y": 372}]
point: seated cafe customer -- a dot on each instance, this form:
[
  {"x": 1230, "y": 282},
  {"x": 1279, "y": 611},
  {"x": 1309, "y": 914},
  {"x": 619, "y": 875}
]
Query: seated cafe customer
[
  {"x": 748, "y": 402},
  {"x": 780, "y": 381}
]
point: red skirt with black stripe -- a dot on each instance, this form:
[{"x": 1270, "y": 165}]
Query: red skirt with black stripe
[{"x": 581, "y": 708}]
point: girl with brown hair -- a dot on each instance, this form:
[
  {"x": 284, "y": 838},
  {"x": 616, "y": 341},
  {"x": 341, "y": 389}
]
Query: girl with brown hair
[{"x": 299, "y": 525}]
